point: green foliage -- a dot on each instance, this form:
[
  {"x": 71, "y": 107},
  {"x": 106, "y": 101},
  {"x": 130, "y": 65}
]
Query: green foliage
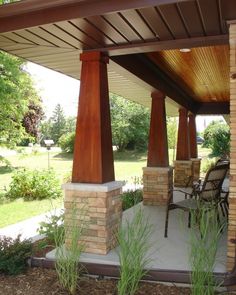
[
  {"x": 130, "y": 124},
  {"x": 16, "y": 93},
  {"x": 206, "y": 164},
  {"x": 204, "y": 237},
  {"x": 133, "y": 239},
  {"x": 5, "y": 162},
  {"x": 54, "y": 224},
  {"x": 131, "y": 198},
  {"x": 217, "y": 137},
  {"x": 34, "y": 185},
  {"x": 58, "y": 123},
  {"x": 13, "y": 255},
  {"x": 67, "y": 267},
  {"x": 66, "y": 142}
]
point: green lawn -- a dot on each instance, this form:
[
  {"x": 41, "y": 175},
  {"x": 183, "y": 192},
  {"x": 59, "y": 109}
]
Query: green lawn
[{"x": 127, "y": 165}]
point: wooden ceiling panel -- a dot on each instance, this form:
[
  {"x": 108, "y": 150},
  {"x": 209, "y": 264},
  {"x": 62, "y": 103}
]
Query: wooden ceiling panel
[
  {"x": 103, "y": 25},
  {"x": 123, "y": 26},
  {"x": 203, "y": 73},
  {"x": 210, "y": 20},
  {"x": 155, "y": 21},
  {"x": 71, "y": 29},
  {"x": 138, "y": 22},
  {"x": 94, "y": 32},
  {"x": 57, "y": 41},
  {"x": 190, "y": 16},
  {"x": 58, "y": 32},
  {"x": 173, "y": 20}
]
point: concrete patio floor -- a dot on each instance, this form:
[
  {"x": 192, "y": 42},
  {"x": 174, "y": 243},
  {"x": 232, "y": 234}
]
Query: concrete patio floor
[{"x": 170, "y": 253}]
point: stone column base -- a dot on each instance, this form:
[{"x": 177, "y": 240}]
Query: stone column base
[
  {"x": 157, "y": 185},
  {"x": 103, "y": 211},
  {"x": 196, "y": 168},
  {"x": 183, "y": 173}
]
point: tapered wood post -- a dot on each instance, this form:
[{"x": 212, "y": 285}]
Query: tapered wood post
[
  {"x": 183, "y": 152},
  {"x": 157, "y": 176},
  {"x": 158, "y": 144},
  {"x": 192, "y": 136},
  {"x": 183, "y": 164},
  {"x": 93, "y": 156},
  {"x": 93, "y": 187}
]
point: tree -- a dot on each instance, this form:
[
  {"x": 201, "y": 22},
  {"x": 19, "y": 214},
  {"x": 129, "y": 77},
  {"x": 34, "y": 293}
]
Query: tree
[
  {"x": 217, "y": 138},
  {"x": 130, "y": 123},
  {"x": 58, "y": 123},
  {"x": 33, "y": 118},
  {"x": 16, "y": 93}
]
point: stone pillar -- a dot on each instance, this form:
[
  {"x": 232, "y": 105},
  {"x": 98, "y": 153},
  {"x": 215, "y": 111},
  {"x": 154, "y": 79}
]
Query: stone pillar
[
  {"x": 157, "y": 176},
  {"x": 183, "y": 164},
  {"x": 103, "y": 208},
  {"x": 196, "y": 162},
  {"x": 93, "y": 185},
  {"x": 232, "y": 184}
]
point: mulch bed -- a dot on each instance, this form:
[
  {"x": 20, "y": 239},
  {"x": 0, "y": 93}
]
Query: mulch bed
[
  {"x": 42, "y": 247},
  {"x": 44, "y": 281}
]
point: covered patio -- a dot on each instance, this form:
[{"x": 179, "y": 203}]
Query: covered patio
[{"x": 175, "y": 57}]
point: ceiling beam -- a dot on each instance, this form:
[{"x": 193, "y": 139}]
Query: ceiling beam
[
  {"x": 165, "y": 45},
  {"x": 142, "y": 67},
  {"x": 213, "y": 108},
  {"x": 30, "y": 13}
]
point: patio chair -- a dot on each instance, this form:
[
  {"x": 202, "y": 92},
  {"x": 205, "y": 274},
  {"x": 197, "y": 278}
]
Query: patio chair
[{"x": 208, "y": 192}]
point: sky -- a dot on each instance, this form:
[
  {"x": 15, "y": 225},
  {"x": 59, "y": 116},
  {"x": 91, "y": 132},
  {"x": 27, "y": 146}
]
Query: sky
[{"x": 55, "y": 88}]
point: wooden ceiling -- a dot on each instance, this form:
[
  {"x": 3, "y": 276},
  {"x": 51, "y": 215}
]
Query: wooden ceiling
[
  {"x": 203, "y": 73},
  {"x": 53, "y": 34}
]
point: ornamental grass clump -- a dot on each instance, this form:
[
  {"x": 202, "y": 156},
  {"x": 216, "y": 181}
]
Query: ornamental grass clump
[
  {"x": 205, "y": 234},
  {"x": 67, "y": 267},
  {"x": 133, "y": 238}
]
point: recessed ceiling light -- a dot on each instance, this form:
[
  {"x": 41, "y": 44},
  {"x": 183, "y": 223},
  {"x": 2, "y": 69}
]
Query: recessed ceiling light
[{"x": 185, "y": 50}]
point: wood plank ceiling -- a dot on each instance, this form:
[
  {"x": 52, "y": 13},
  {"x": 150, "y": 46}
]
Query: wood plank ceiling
[{"x": 55, "y": 37}]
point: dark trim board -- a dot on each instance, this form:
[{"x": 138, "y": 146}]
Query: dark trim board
[
  {"x": 142, "y": 67},
  {"x": 30, "y": 13},
  {"x": 164, "y": 45},
  {"x": 158, "y": 275},
  {"x": 213, "y": 108}
]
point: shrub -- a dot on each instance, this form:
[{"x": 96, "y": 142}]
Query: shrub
[
  {"x": 54, "y": 223},
  {"x": 13, "y": 255},
  {"x": 217, "y": 137},
  {"x": 131, "y": 198},
  {"x": 66, "y": 142},
  {"x": 34, "y": 185},
  {"x": 133, "y": 239}
]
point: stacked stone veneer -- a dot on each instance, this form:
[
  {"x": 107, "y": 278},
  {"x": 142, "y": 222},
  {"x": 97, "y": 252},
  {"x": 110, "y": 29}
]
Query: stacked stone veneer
[
  {"x": 183, "y": 172},
  {"x": 102, "y": 209},
  {"x": 157, "y": 185},
  {"x": 196, "y": 167},
  {"x": 232, "y": 195}
]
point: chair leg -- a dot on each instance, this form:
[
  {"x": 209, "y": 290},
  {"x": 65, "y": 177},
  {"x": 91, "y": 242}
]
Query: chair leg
[
  {"x": 222, "y": 207},
  {"x": 189, "y": 219},
  {"x": 167, "y": 222}
]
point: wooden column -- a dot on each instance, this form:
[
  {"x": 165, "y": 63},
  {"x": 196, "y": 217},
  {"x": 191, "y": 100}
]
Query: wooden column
[
  {"x": 157, "y": 176},
  {"x": 93, "y": 156},
  {"x": 183, "y": 153},
  {"x": 183, "y": 164},
  {"x": 158, "y": 144},
  {"x": 192, "y": 136}
]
